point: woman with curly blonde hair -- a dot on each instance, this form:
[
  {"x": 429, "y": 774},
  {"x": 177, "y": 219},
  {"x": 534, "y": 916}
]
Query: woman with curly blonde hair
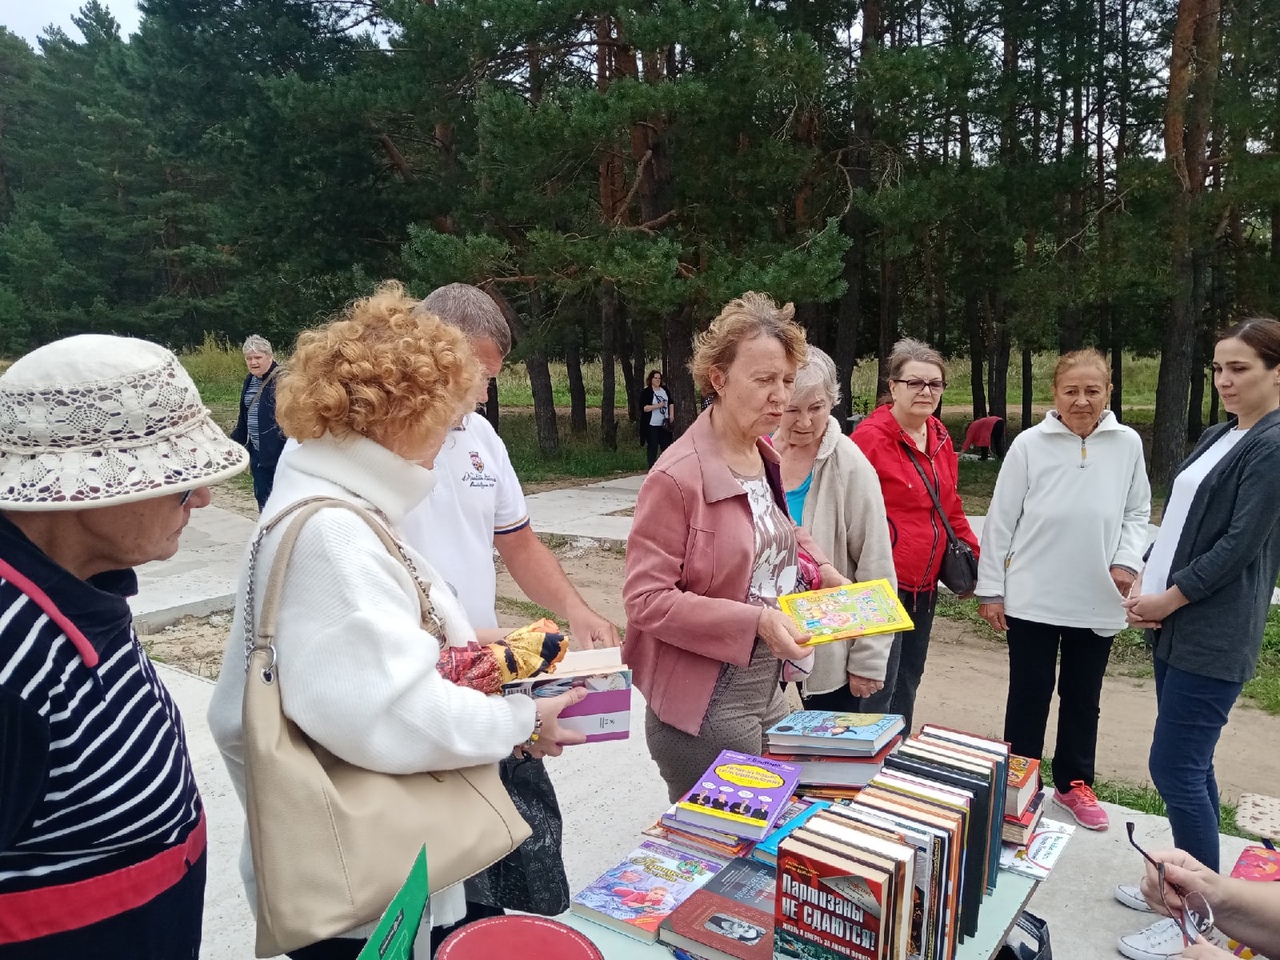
[
  {"x": 712, "y": 548},
  {"x": 371, "y": 397}
]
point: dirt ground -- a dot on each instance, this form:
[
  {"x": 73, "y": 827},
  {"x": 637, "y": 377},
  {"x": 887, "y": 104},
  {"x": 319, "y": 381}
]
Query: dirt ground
[{"x": 963, "y": 685}]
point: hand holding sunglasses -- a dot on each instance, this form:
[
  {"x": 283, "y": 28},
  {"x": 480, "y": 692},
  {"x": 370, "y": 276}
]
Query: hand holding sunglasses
[{"x": 1188, "y": 908}]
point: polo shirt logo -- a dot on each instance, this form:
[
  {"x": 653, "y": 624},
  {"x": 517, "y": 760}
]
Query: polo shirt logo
[{"x": 476, "y": 461}]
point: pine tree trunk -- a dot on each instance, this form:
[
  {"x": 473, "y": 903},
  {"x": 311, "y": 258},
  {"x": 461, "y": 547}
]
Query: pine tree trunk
[
  {"x": 608, "y": 337},
  {"x": 639, "y": 356},
  {"x": 683, "y": 398},
  {"x": 1195, "y": 405},
  {"x": 977, "y": 349},
  {"x": 577, "y": 389},
  {"x": 1028, "y": 390}
]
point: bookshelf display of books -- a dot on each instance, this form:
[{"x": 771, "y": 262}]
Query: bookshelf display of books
[{"x": 907, "y": 868}]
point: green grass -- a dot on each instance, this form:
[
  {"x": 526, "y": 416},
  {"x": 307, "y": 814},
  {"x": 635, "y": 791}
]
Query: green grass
[
  {"x": 583, "y": 456},
  {"x": 525, "y": 609}
]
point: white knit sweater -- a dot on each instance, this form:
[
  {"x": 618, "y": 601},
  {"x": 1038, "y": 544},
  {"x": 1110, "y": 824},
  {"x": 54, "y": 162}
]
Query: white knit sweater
[{"x": 357, "y": 671}]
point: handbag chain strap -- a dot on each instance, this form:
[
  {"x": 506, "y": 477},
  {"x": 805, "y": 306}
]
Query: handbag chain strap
[
  {"x": 942, "y": 515},
  {"x": 261, "y": 637}
]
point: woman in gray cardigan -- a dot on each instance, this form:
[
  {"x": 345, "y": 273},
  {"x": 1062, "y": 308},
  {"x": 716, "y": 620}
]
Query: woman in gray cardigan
[
  {"x": 833, "y": 492},
  {"x": 1205, "y": 592}
]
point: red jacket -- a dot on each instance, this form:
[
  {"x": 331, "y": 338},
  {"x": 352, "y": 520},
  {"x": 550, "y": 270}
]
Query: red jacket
[{"x": 918, "y": 537}]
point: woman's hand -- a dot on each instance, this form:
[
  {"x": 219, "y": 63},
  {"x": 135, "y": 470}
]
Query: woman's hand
[
  {"x": 831, "y": 577},
  {"x": 1149, "y": 611},
  {"x": 1123, "y": 579},
  {"x": 781, "y": 635},
  {"x": 993, "y": 613},
  {"x": 552, "y": 737},
  {"x": 1181, "y": 872},
  {"x": 864, "y": 686}
]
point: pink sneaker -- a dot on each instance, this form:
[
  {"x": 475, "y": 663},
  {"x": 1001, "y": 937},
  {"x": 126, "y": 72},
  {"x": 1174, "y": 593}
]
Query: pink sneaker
[{"x": 1081, "y": 802}]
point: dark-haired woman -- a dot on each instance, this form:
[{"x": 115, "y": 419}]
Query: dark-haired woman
[
  {"x": 1205, "y": 592},
  {"x": 655, "y": 417}
]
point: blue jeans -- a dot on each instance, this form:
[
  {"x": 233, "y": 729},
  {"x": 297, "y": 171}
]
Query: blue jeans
[{"x": 1191, "y": 712}]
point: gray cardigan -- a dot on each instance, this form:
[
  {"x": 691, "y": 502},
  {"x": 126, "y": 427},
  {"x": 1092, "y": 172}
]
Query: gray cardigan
[{"x": 1227, "y": 559}]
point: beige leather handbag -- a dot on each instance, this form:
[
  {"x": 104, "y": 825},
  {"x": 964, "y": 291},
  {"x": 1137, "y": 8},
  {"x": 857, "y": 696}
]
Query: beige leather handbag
[{"x": 332, "y": 842}]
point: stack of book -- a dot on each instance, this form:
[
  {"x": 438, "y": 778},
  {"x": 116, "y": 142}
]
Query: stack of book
[
  {"x": 702, "y": 840},
  {"x": 898, "y": 873},
  {"x": 837, "y": 753},
  {"x": 1022, "y": 800}
]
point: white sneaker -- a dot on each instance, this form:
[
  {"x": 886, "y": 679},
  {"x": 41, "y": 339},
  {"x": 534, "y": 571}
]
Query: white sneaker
[
  {"x": 1130, "y": 894},
  {"x": 1159, "y": 941}
]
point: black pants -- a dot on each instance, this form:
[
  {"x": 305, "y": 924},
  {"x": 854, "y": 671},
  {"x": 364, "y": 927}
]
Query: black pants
[
  {"x": 348, "y": 948},
  {"x": 840, "y": 700},
  {"x": 165, "y": 928},
  {"x": 907, "y": 657},
  {"x": 1033, "y": 661},
  {"x": 657, "y": 439}
]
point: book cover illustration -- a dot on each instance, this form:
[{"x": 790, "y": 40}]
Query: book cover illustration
[
  {"x": 732, "y": 914},
  {"x": 823, "y": 910},
  {"x": 1256, "y": 862},
  {"x": 829, "y": 730},
  {"x": 852, "y": 610},
  {"x": 639, "y": 893},
  {"x": 744, "y": 792},
  {"x": 605, "y": 713}
]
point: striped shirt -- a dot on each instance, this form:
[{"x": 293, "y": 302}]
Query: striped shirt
[
  {"x": 250, "y": 393},
  {"x": 94, "y": 769}
]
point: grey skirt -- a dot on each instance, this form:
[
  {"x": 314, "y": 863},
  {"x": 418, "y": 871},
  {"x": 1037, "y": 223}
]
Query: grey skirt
[{"x": 745, "y": 702}]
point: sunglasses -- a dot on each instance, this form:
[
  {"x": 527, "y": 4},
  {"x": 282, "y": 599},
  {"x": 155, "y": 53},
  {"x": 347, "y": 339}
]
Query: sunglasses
[
  {"x": 1195, "y": 919},
  {"x": 919, "y": 386}
]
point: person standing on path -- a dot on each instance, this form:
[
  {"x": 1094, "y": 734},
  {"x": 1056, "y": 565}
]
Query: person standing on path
[
  {"x": 655, "y": 416},
  {"x": 256, "y": 429},
  {"x": 833, "y": 493},
  {"x": 898, "y": 432},
  {"x": 1062, "y": 543},
  {"x": 1204, "y": 596}
]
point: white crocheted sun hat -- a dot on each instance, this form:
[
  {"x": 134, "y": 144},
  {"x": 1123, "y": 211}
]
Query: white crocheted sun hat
[{"x": 95, "y": 420}]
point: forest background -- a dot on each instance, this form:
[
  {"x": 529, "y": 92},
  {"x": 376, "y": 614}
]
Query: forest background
[{"x": 1004, "y": 178}]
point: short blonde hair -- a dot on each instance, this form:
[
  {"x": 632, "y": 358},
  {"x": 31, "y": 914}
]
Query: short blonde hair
[
  {"x": 379, "y": 370},
  {"x": 750, "y": 316},
  {"x": 1088, "y": 357}
]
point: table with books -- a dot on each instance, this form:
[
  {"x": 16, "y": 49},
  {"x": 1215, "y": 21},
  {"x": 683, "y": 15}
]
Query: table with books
[{"x": 843, "y": 840}]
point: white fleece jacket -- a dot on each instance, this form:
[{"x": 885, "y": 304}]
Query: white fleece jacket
[
  {"x": 1065, "y": 510},
  {"x": 357, "y": 671}
]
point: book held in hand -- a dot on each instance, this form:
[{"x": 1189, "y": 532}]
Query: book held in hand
[
  {"x": 740, "y": 794},
  {"x": 636, "y": 895},
  {"x": 846, "y": 612},
  {"x": 731, "y": 918},
  {"x": 829, "y": 732},
  {"x": 605, "y": 712}
]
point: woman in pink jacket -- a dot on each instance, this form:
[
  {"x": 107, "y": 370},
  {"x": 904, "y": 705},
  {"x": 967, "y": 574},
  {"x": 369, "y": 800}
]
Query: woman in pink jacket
[{"x": 712, "y": 547}]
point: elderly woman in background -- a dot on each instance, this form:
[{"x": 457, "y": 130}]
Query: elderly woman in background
[
  {"x": 256, "y": 429},
  {"x": 834, "y": 494},
  {"x": 105, "y": 449},
  {"x": 371, "y": 396},
  {"x": 902, "y": 439},
  {"x": 1063, "y": 541},
  {"x": 712, "y": 548}
]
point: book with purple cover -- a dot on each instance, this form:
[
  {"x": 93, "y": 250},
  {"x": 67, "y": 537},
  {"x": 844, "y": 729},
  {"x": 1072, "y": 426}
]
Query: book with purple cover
[
  {"x": 740, "y": 794},
  {"x": 605, "y": 712}
]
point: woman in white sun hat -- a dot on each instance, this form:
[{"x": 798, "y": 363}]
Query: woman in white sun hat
[{"x": 105, "y": 449}]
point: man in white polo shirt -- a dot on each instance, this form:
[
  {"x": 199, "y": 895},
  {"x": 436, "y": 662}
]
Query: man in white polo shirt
[{"x": 477, "y": 502}]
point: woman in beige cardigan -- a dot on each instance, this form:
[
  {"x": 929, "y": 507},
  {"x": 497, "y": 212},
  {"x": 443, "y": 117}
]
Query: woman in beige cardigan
[{"x": 834, "y": 494}]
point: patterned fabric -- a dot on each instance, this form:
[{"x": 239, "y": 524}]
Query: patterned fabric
[
  {"x": 775, "y": 569},
  {"x": 251, "y": 408}
]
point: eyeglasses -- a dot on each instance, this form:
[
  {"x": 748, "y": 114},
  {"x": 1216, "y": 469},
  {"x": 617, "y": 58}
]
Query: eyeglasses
[
  {"x": 919, "y": 386},
  {"x": 186, "y": 495},
  {"x": 1195, "y": 918}
]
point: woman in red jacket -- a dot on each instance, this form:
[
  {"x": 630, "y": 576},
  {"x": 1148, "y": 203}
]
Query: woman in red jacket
[{"x": 896, "y": 433}]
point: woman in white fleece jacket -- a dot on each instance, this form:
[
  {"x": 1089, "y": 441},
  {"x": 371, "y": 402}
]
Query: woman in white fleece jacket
[
  {"x": 371, "y": 396},
  {"x": 1062, "y": 543}
]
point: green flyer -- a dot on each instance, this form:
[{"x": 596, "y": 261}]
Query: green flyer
[{"x": 393, "y": 940}]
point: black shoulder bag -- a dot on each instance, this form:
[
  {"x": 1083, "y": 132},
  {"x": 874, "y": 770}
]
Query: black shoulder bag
[{"x": 959, "y": 571}]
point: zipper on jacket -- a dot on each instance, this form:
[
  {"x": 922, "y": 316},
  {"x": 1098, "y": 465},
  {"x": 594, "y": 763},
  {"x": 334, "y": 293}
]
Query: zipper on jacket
[
  {"x": 933, "y": 512},
  {"x": 1084, "y": 452}
]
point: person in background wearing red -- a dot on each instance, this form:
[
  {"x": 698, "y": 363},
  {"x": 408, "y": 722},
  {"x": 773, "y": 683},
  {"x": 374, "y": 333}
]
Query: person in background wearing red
[{"x": 896, "y": 433}]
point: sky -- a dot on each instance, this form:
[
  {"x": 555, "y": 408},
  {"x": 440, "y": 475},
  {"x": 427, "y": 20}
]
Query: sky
[{"x": 28, "y": 18}]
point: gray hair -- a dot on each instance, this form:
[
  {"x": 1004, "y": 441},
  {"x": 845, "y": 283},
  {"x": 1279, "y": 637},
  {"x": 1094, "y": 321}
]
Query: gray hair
[
  {"x": 817, "y": 375},
  {"x": 907, "y": 350},
  {"x": 258, "y": 344},
  {"x": 471, "y": 310}
]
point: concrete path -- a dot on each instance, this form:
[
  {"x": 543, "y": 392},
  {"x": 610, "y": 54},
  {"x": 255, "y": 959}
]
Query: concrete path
[{"x": 609, "y": 792}]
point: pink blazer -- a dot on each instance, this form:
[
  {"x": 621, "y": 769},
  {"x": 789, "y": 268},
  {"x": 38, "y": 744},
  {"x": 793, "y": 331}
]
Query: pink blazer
[{"x": 689, "y": 562}]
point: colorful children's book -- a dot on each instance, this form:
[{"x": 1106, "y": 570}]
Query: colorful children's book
[
  {"x": 636, "y": 895},
  {"x": 766, "y": 851},
  {"x": 605, "y": 712},
  {"x": 853, "y": 610},
  {"x": 1256, "y": 862},
  {"x": 731, "y": 918},
  {"x": 833, "y": 769},
  {"x": 740, "y": 794},
  {"x": 828, "y": 732}
]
